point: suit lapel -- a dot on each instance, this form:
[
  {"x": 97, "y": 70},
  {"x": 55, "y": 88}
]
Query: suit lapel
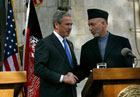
[
  {"x": 109, "y": 47},
  {"x": 59, "y": 47},
  {"x": 72, "y": 51},
  {"x": 95, "y": 47},
  {"x": 97, "y": 50}
]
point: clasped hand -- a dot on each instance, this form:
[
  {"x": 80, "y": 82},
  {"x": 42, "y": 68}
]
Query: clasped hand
[{"x": 70, "y": 78}]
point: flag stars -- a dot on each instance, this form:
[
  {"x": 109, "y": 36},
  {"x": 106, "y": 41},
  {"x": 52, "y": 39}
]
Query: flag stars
[
  {"x": 14, "y": 34},
  {"x": 10, "y": 46},
  {"x": 8, "y": 53},
  {"x": 7, "y": 38},
  {"x": 10, "y": 11},
  {"x": 12, "y": 40},
  {"x": 11, "y": 26},
  {"x": 13, "y": 20},
  {"x": 8, "y": 17},
  {"x": 9, "y": 31},
  {"x": 5, "y": 44},
  {"x": 14, "y": 50}
]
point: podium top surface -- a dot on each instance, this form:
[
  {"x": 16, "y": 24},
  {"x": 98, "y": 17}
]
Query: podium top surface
[
  {"x": 116, "y": 73},
  {"x": 11, "y": 77}
]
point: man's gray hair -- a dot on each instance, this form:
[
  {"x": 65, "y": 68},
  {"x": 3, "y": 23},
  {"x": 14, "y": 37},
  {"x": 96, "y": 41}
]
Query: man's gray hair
[{"x": 58, "y": 15}]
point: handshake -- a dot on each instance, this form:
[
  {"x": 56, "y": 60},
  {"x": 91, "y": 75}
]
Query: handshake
[{"x": 70, "y": 78}]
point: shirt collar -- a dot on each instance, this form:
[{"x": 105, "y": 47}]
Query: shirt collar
[
  {"x": 58, "y": 36},
  {"x": 104, "y": 37}
]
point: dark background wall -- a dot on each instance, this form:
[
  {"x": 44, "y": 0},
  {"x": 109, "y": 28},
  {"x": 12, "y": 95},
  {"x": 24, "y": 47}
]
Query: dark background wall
[{"x": 2, "y": 29}]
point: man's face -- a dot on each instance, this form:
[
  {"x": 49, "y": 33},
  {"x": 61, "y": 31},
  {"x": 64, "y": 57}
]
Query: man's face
[
  {"x": 96, "y": 27},
  {"x": 65, "y": 27}
]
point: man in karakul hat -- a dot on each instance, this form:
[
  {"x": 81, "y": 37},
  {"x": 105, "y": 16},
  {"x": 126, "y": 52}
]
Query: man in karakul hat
[{"x": 103, "y": 48}]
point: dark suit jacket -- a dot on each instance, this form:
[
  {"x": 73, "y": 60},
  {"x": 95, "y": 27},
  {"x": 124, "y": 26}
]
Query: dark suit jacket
[
  {"x": 50, "y": 63},
  {"x": 90, "y": 55}
]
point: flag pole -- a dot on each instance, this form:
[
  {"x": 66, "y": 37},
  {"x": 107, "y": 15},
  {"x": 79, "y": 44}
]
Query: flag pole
[{"x": 26, "y": 25}]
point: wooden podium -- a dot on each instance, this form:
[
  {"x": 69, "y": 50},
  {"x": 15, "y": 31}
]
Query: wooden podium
[
  {"x": 109, "y": 82},
  {"x": 11, "y": 83}
]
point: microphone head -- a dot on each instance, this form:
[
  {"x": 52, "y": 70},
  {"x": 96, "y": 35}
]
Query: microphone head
[{"x": 125, "y": 51}]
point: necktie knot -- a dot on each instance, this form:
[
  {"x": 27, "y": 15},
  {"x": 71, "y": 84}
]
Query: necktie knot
[{"x": 64, "y": 40}]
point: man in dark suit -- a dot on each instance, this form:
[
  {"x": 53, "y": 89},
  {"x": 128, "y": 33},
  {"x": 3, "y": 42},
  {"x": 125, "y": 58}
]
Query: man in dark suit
[
  {"x": 52, "y": 64},
  {"x": 103, "y": 48}
]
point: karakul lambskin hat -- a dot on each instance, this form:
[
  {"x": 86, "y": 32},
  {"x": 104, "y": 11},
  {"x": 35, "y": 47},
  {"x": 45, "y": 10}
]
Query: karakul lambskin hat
[{"x": 97, "y": 13}]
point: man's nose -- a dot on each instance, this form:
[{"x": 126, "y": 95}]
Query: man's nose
[{"x": 90, "y": 28}]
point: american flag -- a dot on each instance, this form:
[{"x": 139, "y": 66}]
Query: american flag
[{"x": 11, "y": 57}]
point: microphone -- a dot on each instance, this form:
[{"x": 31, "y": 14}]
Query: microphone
[{"x": 127, "y": 52}]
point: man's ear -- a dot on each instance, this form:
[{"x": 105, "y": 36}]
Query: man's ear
[
  {"x": 56, "y": 24},
  {"x": 104, "y": 23}
]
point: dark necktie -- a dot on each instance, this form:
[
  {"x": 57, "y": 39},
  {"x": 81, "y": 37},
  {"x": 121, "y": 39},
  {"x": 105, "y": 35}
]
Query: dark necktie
[{"x": 67, "y": 52}]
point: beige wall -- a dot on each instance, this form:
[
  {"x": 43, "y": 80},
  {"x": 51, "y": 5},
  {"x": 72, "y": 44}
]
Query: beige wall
[{"x": 121, "y": 19}]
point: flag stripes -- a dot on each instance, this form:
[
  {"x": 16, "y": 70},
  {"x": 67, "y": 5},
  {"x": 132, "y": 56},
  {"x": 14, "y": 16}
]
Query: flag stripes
[{"x": 11, "y": 62}]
